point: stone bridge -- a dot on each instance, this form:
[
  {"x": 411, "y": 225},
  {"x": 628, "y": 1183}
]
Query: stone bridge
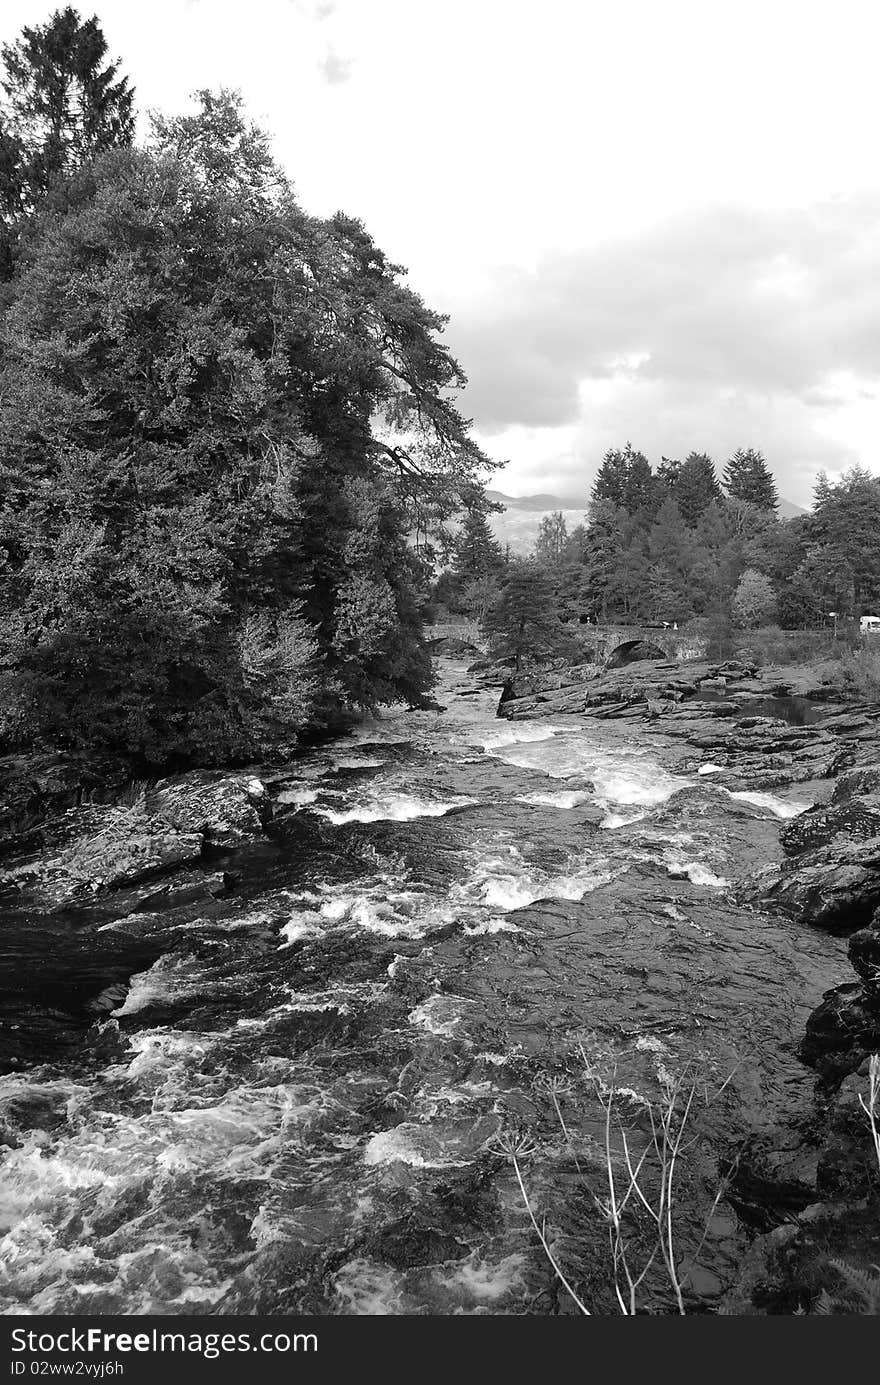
[{"x": 614, "y": 645}]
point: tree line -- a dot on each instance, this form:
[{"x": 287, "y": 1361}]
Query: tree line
[
  {"x": 221, "y": 420},
  {"x": 669, "y": 544}
]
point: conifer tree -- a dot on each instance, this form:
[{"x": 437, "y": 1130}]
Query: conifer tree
[
  {"x": 64, "y": 105},
  {"x": 696, "y": 486},
  {"x": 747, "y": 477},
  {"x": 524, "y": 622},
  {"x": 477, "y": 551}
]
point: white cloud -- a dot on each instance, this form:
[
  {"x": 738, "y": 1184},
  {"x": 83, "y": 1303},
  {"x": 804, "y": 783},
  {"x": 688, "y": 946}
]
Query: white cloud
[{"x": 655, "y": 221}]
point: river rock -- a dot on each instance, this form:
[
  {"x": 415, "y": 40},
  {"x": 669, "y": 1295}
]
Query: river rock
[
  {"x": 863, "y": 950},
  {"x": 842, "y": 1032},
  {"x": 854, "y": 819},
  {"x": 225, "y": 808},
  {"x": 835, "y": 887},
  {"x": 861, "y": 783},
  {"x": 105, "y": 847},
  {"x": 41, "y": 784}
]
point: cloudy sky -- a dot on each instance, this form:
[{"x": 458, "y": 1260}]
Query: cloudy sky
[{"x": 649, "y": 220}]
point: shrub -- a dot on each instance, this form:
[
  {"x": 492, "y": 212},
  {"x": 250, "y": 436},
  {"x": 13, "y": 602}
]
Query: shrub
[{"x": 861, "y": 673}]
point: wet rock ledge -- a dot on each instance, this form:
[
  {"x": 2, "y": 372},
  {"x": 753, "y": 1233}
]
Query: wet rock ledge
[{"x": 149, "y": 832}]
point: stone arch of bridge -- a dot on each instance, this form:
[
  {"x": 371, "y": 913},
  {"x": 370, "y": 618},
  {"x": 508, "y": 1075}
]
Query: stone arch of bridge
[{"x": 630, "y": 650}]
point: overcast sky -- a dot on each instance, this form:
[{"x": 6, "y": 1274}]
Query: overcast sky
[{"x": 655, "y": 221}]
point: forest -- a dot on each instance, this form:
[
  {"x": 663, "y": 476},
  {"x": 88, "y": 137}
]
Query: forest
[{"x": 677, "y": 545}]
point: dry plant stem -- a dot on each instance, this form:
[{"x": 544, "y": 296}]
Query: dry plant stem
[
  {"x": 539, "y": 1231},
  {"x": 871, "y": 1107}
]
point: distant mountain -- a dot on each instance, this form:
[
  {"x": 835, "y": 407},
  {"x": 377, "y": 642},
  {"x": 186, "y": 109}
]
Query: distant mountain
[
  {"x": 520, "y": 521},
  {"x": 544, "y": 503},
  {"x": 788, "y": 509}
]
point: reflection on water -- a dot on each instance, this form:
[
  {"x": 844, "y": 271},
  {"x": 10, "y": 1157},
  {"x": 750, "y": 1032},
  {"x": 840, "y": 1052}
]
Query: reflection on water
[{"x": 796, "y": 711}]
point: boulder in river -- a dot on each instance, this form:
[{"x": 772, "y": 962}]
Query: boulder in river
[{"x": 835, "y": 887}]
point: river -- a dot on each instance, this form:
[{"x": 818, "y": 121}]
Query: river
[{"x": 454, "y": 926}]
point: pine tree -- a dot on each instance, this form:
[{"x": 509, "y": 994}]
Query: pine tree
[
  {"x": 668, "y": 473},
  {"x": 821, "y": 490},
  {"x": 747, "y": 477},
  {"x": 603, "y": 544},
  {"x": 625, "y": 480},
  {"x": 696, "y": 486},
  {"x": 640, "y": 484},
  {"x": 65, "y": 104},
  {"x": 524, "y": 622},
  {"x": 477, "y": 551}
]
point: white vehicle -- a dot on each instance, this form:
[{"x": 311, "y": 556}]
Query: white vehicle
[{"x": 869, "y": 625}]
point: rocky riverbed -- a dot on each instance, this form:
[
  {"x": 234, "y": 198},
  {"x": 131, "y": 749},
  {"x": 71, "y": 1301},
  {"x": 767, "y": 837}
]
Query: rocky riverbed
[
  {"x": 827, "y": 877},
  {"x": 263, "y": 1030}
]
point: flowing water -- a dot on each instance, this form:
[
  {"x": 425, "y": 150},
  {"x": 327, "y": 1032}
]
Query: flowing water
[{"x": 455, "y": 926}]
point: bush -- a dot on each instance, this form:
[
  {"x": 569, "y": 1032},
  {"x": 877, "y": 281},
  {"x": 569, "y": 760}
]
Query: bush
[{"x": 861, "y": 672}]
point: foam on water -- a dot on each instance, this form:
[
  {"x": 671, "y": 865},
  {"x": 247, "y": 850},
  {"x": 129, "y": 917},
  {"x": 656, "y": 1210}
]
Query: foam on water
[
  {"x": 171, "y": 978},
  {"x": 710, "y": 768},
  {"x": 483, "y": 1279},
  {"x": 393, "y": 807},
  {"x": 380, "y": 907},
  {"x": 366, "y": 1289},
  {"x": 697, "y": 872},
  {"x": 623, "y": 777},
  {"x": 565, "y": 798},
  {"x": 779, "y": 807},
  {"x": 506, "y": 881},
  {"x": 299, "y": 796},
  {"x": 439, "y": 1014},
  {"x": 518, "y": 734}
]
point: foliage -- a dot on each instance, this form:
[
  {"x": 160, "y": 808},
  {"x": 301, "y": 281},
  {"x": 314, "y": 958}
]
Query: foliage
[
  {"x": 64, "y": 105},
  {"x": 552, "y": 541},
  {"x": 523, "y": 623},
  {"x": 216, "y": 415},
  {"x": 747, "y": 477},
  {"x": 860, "y": 670},
  {"x": 754, "y": 601},
  {"x": 859, "y": 1291},
  {"x": 477, "y": 551},
  {"x": 624, "y": 480}
]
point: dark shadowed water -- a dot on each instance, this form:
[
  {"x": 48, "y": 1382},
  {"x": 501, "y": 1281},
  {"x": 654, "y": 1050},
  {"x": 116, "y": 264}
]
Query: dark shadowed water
[
  {"x": 296, "y": 1105},
  {"x": 796, "y": 711}
]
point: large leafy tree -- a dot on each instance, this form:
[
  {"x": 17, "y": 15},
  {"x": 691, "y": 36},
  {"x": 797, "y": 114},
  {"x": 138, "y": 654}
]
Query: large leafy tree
[
  {"x": 552, "y": 540},
  {"x": 65, "y": 103},
  {"x": 214, "y": 411},
  {"x": 754, "y": 601}
]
